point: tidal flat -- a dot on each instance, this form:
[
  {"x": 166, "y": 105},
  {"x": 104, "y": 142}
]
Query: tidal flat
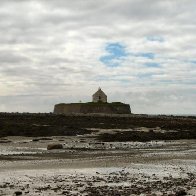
[
  {"x": 87, "y": 167},
  {"x": 100, "y": 155}
]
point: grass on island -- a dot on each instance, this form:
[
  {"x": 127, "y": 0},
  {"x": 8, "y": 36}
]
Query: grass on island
[{"x": 96, "y": 103}]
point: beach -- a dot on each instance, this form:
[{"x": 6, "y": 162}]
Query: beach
[{"x": 87, "y": 167}]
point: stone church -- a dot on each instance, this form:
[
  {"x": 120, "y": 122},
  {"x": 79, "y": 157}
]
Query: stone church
[{"x": 99, "y": 96}]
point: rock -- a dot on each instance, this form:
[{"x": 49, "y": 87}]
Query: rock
[
  {"x": 35, "y": 140},
  {"x": 181, "y": 193},
  {"x": 18, "y": 193},
  {"x": 45, "y": 138},
  {"x": 4, "y": 141},
  {"x": 65, "y": 192},
  {"x": 54, "y": 146}
]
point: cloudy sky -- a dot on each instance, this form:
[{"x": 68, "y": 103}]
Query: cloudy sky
[{"x": 141, "y": 52}]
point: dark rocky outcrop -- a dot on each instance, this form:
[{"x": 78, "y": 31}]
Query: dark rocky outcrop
[
  {"x": 40, "y": 125},
  {"x": 54, "y": 146},
  {"x": 18, "y": 193}
]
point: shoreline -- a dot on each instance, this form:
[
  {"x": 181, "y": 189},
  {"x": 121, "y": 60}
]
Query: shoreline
[
  {"x": 137, "y": 168},
  {"x": 135, "y": 161}
]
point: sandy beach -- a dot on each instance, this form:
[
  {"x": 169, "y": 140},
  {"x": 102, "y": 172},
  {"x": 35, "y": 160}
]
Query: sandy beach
[{"x": 87, "y": 167}]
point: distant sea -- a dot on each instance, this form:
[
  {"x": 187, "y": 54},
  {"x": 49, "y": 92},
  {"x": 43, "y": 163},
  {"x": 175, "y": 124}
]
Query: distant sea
[
  {"x": 175, "y": 114},
  {"x": 184, "y": 114}
]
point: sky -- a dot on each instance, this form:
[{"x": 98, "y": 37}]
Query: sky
[{"x": 140, "y": 52}]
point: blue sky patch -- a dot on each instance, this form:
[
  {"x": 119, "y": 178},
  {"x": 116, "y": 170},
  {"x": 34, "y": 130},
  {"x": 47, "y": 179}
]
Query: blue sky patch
[
  {"x": 115, "y": 54},
  {"x": 145, "y": 75},
  {"x": 193, "y": 62},
  {"x": 152, "y": 64},
  {"x": 155, "y": 38},
  {"x": 148, "y": 55}
]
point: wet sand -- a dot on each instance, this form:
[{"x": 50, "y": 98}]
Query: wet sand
[{"x": 87, "y": 167}]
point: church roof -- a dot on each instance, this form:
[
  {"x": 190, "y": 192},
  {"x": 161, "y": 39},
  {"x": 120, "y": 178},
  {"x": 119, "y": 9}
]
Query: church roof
[{"x": 99, "y": 92}]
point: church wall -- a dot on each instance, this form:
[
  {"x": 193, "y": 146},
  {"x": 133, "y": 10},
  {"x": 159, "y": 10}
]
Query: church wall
[
  {"x": 102, "y": 98},
  {"x": 67, "y": 108}
]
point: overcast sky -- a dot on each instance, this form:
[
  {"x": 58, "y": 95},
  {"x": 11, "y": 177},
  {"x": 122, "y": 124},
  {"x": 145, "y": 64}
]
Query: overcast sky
[{"x": 140, "y": 52}]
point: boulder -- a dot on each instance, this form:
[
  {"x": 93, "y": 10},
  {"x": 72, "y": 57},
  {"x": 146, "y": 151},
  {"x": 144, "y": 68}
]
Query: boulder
[
  {"x": 181, "y": 192},
  {"x": 54, "y": 146},
  {"x": 18, "y": 192}
]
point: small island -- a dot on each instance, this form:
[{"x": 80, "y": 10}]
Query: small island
[{"x": 99, "y": 104}]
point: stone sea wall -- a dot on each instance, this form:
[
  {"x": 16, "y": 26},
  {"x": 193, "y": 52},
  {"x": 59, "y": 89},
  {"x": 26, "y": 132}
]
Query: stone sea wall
[{"x": 85, "y": 108}]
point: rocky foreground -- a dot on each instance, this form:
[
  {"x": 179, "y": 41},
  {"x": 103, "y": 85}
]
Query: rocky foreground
[
  {"x": 85, "y": 167},
  {"x": 99, "y": 182},
  {"x": 97, "y": 155}
]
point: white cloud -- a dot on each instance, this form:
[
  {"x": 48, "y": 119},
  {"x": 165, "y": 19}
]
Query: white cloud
[{"x": 50, "y": 51}]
